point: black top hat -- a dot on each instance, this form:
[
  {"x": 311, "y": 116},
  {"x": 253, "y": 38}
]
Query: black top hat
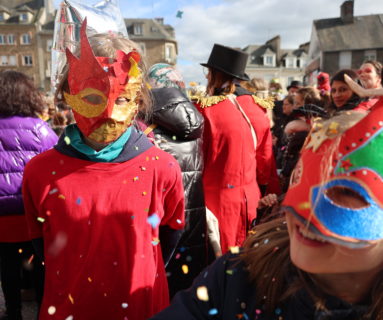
[
  {"x": 228, "y": 60},
  {"x": 294, "y": 84}
]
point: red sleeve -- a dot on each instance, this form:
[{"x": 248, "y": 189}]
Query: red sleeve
[
  {"x": 30, "y": 190},
  {"x": 174, "y": 200},
  {"x": 264, "y": 154}
]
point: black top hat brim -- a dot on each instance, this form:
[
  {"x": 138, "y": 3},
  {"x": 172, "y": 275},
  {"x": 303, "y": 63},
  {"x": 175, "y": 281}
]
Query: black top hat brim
[{"x": 244, "y": 76}]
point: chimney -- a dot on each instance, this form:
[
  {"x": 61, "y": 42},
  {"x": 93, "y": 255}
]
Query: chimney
[
  {"x": 160, "y": 20},
  {"x": 347, "y": 11}
]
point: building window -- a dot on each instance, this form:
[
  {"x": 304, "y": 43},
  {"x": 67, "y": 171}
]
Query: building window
[
  {"x": 11, "y": 39},
  {"x": 301, "y": 63},
  {"x": 25, "y": 38},
  {"x": 168, "y": 52},
  {"x": 370, "y": 55},
  {"x": 27, "y": 60},
  {"x": 345, "y": 60},
  {"x": 137, "y": 29},
  {"x": 4, "y": 60},
  {"x": 23, "y": 17},
  {"x": 2, "y": 39},
  {"x": 268, "y": 60},
  {"x": 290, "y": 79},
  {"x": 290, "y": 62},
  {"x": 12, "y": 60},
  {"x": 49, "y": 45}
]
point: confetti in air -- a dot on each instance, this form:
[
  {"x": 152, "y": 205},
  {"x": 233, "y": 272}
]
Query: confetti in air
[
  {"x": 213, "y": 312},
  {"x": 179, "y": 14},
  {"x": 31, "y": 259},
  {"x": 53, "y": 191},
  {"x": 234, "y": 250},
  {"x": 124, "y": 305},
  {"x": 67, "y": 140},
  {"x": 202, "y": 293},
  {"x": 51, "y": 310},
  {"x": 185, "y": 269},
  {"x": 154, "y": 220},
  {"x": 278, "y": 311},
  {"x": 40, "y": 219}
]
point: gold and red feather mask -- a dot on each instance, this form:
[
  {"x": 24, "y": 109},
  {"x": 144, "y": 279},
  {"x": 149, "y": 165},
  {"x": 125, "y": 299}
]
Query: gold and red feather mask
[{"x": 103, "y": 91}]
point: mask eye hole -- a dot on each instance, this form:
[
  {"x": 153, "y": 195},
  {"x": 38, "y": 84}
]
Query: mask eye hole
[
  {"x": 93, "y": 99},
  {"x": 346, "y": 197}
]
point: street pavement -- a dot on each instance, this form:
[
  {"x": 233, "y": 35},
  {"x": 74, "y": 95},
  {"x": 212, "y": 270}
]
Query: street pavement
[{"x": 29, "y": 308}]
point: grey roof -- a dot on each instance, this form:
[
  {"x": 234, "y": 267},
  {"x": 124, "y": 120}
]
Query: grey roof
[
  {"x": 251, "y": 48},
  {"x": 24, "y": 8},
  {"x": 14, "y": 8},
  {"x": 2, "y": 8},
  {"x": 364, "y": 33},
  {"x": 151, "y": 30},
  {"x": 49, "y": 26},
  {"x": 256, "y": 53},
  {"x": 15, "y": 4}
]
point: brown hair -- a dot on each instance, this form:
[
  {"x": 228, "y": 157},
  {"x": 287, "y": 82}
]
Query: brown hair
[
  {"x": 377, "y": 66},
  {"x": 339, "y": 76},
  {"x": 310, "y": 95},
  {"x": 18, "y": 95},
  {"x": 257, "y": 85},
  {"x": 267, "y": 258},
  {"x": 106, "y": 45},
  {"x": 217, "y": 79},
  {"x": 289, "y": 98}
]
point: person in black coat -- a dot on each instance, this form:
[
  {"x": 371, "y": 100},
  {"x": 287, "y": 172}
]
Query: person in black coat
[{"x": 177, "y": 129}]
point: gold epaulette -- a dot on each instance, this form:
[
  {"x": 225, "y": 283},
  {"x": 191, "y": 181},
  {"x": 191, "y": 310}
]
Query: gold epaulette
[
  {"x": 267, "y": 103},
  {"x": 205, "y": 102}
]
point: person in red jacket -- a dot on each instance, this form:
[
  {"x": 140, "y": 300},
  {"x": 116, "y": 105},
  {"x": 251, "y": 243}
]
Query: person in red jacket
[
  {"x": 237, "y": 146},
  {"x": 107, "y": 204}
]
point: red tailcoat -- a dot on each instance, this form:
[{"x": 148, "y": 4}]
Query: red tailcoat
[{"x": 233, "y": 168}]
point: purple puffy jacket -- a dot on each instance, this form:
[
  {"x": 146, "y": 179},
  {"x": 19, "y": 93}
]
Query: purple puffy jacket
[{"x": 21, "y": 138}]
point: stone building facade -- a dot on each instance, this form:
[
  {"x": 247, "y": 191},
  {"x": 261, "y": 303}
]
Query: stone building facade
[{"x": 26, "y": 31}]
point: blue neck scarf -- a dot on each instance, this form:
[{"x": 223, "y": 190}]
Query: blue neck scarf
[{"x": 107, "y": 154}]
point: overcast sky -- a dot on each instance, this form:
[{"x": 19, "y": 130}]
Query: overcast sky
[{"x": 236, "y": 23}]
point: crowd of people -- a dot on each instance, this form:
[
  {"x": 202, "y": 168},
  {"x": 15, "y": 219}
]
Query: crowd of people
[{"x": 127, "y": 190}]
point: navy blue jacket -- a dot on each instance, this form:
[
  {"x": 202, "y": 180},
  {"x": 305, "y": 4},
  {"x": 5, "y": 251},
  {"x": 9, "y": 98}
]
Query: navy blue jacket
[{"x": 231, "y": 296}]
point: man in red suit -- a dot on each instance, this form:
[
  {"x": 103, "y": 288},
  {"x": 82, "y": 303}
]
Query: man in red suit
[{"x": 237, "y": 146}]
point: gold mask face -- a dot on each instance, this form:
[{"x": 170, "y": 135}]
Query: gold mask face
[{"x": 124, "y": 111}]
